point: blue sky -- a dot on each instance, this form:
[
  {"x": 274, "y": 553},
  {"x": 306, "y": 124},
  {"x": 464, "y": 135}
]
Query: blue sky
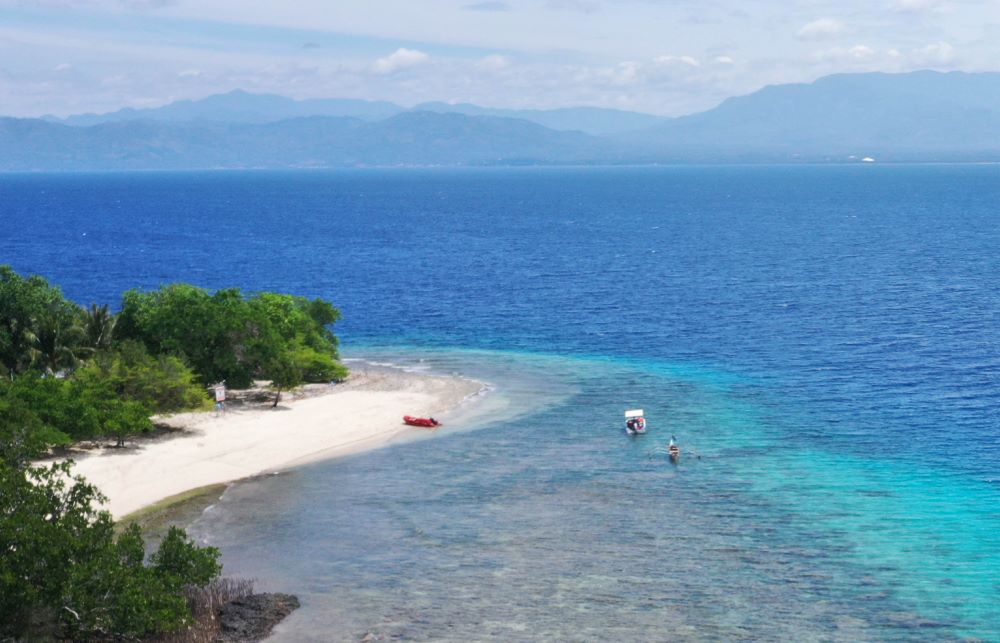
[{"x": 664, "y": 57}]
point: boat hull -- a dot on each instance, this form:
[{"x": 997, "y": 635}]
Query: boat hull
[{"x": 425, "y": 423}]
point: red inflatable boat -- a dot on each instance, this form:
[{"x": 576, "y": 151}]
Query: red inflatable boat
[{"x": 428, "y": 423}]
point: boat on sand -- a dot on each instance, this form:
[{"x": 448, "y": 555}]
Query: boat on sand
[{"x": 427, "y": 423}]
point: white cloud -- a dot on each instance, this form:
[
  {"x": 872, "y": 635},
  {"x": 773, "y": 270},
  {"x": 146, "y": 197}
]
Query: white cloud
[
  {"x": 860, "y": 52},
  {"x": 845, "y": 55},
  {"x": 822, "y": 29},
  {"x": 690, "y": 61},
  {"x": 400, "y": 59},
  {"x": 494, "y": 63},
  {"x": 62, "y": 67},
  {"x": 936, "y": 54},
  {"x": 524, "y": 53},
  {"x": 626, "y": 73}
]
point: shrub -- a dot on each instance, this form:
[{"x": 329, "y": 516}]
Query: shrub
[
  {"x": 162, "y": 384},
  {"x": 63, "y": 572}
]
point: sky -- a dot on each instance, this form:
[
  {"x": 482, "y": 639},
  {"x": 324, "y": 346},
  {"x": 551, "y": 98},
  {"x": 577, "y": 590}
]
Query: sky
[{"x": 663, "y": 57}]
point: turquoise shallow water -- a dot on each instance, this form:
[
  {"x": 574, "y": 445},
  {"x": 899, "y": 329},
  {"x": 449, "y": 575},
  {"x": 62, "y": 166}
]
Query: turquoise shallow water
[
  {"x": 827, "y": 339},
  {"x": 557, "y": 526}
]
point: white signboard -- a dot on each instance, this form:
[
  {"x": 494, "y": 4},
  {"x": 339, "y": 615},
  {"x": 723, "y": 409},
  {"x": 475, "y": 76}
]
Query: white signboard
[{"x": 220, "y": 393}]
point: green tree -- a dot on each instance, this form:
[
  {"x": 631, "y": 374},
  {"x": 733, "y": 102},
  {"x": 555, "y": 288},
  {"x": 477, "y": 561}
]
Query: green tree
[
  {"x": 23, "y": 300},
  {"x": 57, "y": 339},
  {"x": 227, "y": 336},
  {"x": 183, "y": 563},
  {"x": 50, "y": 411},
  {"x": 163, "y": 384},
  {"x": 98, "y": 326},
  {"x": 23, "y": 434},
  {"x": 285, "y": 373},
  {"x": 210, "y": 332},
  {"x": 64, "y": 573}
]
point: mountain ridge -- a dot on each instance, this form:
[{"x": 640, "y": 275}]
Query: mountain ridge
[
  {"x": 239, "y": 106},
  {"x": 920, "y": 116},
  {"x": 411, "y": 138}
]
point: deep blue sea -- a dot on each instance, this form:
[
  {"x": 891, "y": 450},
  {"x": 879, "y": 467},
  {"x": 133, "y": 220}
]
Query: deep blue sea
[{"x": 824, "y": 341}]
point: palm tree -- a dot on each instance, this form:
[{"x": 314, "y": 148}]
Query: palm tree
[
  {"x": 57, "y": 340},
  {"x": 98, "y": 326}
]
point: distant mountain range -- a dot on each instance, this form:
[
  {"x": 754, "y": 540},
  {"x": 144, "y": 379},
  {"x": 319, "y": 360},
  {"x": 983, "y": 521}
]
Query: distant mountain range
[
  {"x": 920, "y": 116},
  {"x": 410, "y": 138},
  {"x": 242, "y": 107}
]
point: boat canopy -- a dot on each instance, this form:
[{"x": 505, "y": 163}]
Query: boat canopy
[{"x": 634, "y": 413}]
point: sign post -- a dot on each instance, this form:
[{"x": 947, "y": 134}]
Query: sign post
[{"x": 220, "y": 397}]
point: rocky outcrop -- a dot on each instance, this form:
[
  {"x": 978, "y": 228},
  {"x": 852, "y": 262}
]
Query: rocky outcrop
[{"x": 253, "y": 617}]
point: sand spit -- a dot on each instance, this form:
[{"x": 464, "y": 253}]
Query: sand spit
[{"x": 314, "y": 423}]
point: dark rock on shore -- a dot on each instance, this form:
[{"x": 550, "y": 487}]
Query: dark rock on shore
[{"x": 253, "y": 617}]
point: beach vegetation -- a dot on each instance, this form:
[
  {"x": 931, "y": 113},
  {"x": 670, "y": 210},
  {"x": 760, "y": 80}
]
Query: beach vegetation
[
  {"x": 57, "y": 339},
  {"x": 162, "y": 383},
  {"x": 35, "y": 323},
  {"x": 98, "y": 324},
  {"x": 57, "y": 411},
  {"x": 71, "y": 374},
  {"x": 65, "y": 573},
  {"x": 285, "y": 373},
  {"x": 227, "y": 336}
]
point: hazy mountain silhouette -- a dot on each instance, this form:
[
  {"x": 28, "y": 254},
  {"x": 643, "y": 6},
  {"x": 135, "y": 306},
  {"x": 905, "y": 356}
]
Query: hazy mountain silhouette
[
  {"x": 243, "y": 107},
  {"x": 591, "y": 120},
  {"x": 410, "y": 138},
  {"x": 239, "y": 106},
  {"x": 920, "y": 116}
]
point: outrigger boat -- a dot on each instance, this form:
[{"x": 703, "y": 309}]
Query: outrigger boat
[
  {"x": 672, "y": 451},
  {"x": 427, "y": 423},
  {"x": 635, "y": 423}
]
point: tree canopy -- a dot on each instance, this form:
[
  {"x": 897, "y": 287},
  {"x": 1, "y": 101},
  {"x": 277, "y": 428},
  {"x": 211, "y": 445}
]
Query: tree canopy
[
  {"x": 33, "y": 315},
  {"x": 74, "y": 374},
  {"x": 65, "y": 574},
  {"x": 227, "y": 336}
]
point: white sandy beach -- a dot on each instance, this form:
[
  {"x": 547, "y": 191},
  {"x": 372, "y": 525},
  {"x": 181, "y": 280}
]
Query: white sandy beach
[{"x": 319, "y": 422}]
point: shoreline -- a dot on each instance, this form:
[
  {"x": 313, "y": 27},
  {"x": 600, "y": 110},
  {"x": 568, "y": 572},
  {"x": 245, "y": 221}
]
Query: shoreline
[{"x": 313, "y": 423}]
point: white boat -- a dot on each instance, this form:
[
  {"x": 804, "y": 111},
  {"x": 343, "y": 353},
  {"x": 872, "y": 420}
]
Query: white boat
[{"x": 635, "y": 422}]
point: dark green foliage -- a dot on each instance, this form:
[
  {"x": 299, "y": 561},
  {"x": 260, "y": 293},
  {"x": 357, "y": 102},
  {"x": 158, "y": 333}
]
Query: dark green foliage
[
  {"x": 63, "y": 571},
  {"x": 98, "y": 326},
  {"x": 162, "y": 384},
  {"x": 35, "y": 323},
  {"x": 47, "y": 411},
  {"x": 46, "y": 522},
  {"x": 57, "y": 343},
  {"x": 111, "y": 593},
  {"x": 183, "y": 563},
  {"x": 23, "y": 435},
  {"x": 208, "y": 331},
  {"x": 285, "y": 374},
  {"x": 226, "y": 336},
  {"x": 114, "y": 372}
]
